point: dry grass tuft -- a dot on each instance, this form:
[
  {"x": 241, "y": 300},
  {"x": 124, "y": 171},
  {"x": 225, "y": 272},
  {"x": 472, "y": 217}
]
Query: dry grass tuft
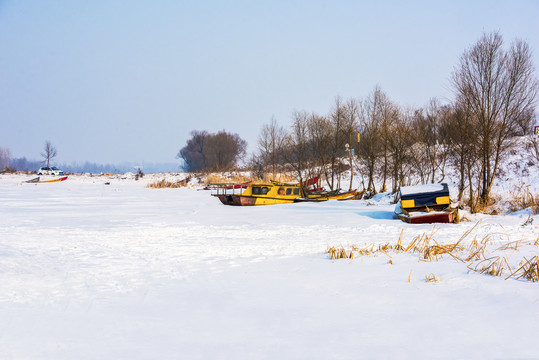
[
  {"x": 493, "y": 266},
  {"x": 529, "y": 270},
  {"x": 163, "y": 183},
  {"x": 476, "y": 250},
  {"x": 431, "y": 278},
  {"x": 339, "y": 253},
  {"x": 217, "y": 178}
]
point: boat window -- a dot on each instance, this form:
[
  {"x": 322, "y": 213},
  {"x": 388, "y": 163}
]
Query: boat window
[
  {"x": 296, "y": 191},
  {"x": 281, "y": 191},
  {"x": 256, "y": 190},
  {"x": 265, "y": 190},
  {"x": 288, "y": 191}
]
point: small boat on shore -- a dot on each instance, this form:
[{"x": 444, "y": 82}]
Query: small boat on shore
[
  {"x": 257, "y": 193},
  {"x": 63, "y": 178},
  {"x": 425, "y": 204}
]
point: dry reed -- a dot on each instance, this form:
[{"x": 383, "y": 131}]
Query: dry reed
[
  {"x": 529, "y": 270},
  {"x": 493, "y": 266},
  {"x": 339, "y": 253},
  {"x": 431, "y": 278}
]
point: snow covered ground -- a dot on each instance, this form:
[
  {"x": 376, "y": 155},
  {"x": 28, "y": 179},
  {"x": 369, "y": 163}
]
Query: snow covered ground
[{"x": 121, "y": 271}]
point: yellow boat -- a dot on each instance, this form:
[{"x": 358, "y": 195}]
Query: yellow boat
[
  {"x": 258, "y": 193},
  {"x": 270, "y": 193}
]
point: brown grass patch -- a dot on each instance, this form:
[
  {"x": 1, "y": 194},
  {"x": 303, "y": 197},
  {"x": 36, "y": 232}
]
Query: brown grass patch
[
  {"x": 164, "y": 183},
  {"x": 215, "y": 178}
]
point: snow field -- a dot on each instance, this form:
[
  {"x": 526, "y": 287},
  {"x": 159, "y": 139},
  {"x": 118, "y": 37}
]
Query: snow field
[{"x": 120, "y": 271}]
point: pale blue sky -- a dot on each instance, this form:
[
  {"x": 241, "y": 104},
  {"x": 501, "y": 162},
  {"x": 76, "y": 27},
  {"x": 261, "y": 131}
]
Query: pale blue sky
[{"x": 110, "y": 81}]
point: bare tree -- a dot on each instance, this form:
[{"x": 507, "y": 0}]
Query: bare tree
[
  {"x": 399, "y": 143},
  {"x": 369, "y": 128},
  {"x": 388, "y": 114},
  {"x": 270, "y": 145},
  {"x": 421, "y": 149},
  {"x": 5, "y": 157},
  {"x": 297, "y": 147},
  {"x": 460, "y": 140},
  {"x": 496, "y": 88},
  {"x": 336, "y": 119},
  {"x": 428, "y": 149},
  {"x": 343, "y": 119},
  {"x": 193, "y": 153},
  {"x": 224, "y": 150},
  {"x": 319, "y": 131},
  {"x": 351, "y": 127},
  {"x": 49, "y": 153},
  {"x": 212, "y": 152}
]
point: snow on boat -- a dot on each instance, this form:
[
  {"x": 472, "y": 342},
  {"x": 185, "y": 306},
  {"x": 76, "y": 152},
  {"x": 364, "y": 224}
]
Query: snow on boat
[{"x": 423, "y": 204}]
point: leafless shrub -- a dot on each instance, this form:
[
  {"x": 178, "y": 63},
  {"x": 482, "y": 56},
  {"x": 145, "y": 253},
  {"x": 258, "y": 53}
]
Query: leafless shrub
[{"x": 524, "y": 200}]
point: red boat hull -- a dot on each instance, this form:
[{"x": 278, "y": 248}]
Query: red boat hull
[{"x": 428, "y": 218}]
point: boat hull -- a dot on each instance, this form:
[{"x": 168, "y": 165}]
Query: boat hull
[
  {"x": 428, "y": 218},
  {"x": 226, "y": 199},
  {"x": 242, "y": 200},
  {"x": 54, "y": 180}
]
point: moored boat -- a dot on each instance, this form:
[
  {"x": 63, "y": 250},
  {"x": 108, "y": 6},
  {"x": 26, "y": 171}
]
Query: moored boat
[
  {"x": 53, "y": 180},
  {"x": 423, "y": 204},
  {"x": 258, "y": 193}
]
